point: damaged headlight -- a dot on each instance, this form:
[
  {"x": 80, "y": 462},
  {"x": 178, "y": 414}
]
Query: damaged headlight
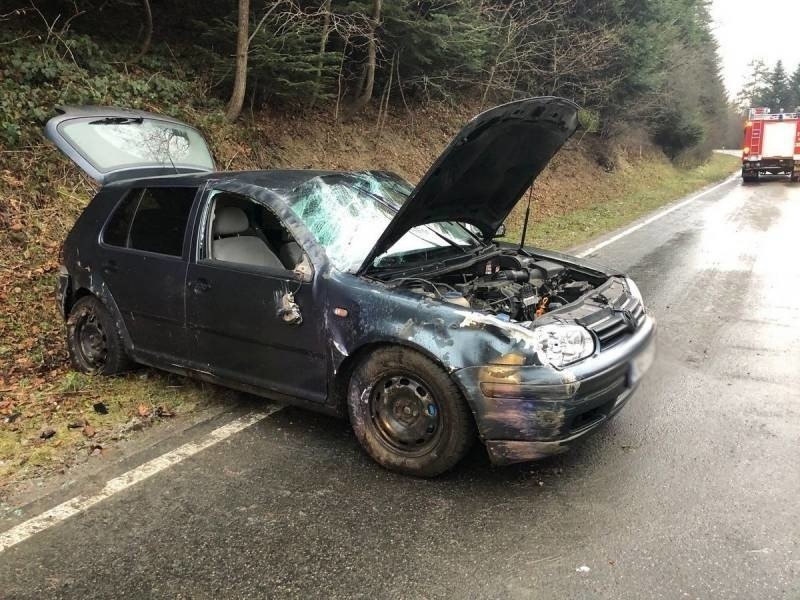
[
  {"x": 633, "y": 290},
  {"x": 561, "y": 345}
]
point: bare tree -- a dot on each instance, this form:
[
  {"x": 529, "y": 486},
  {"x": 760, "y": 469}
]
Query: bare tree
[
  {"x": 148, "y": 31},
  {"x": 538, "y": 48},
  {"x": 240, "y": 77},
  {"x": 323, "y": 43},
  {"x": 368, "y": 80}
]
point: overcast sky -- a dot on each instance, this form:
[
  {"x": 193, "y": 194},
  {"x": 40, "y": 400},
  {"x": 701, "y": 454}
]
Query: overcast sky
[{"x": 748, "y": 29}]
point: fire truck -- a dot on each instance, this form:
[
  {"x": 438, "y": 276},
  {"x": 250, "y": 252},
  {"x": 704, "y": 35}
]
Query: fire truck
[{"x": 771, "y": 144}]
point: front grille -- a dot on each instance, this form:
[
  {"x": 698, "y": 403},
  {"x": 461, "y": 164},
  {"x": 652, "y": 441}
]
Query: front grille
[{"x": 616, "y": 322}]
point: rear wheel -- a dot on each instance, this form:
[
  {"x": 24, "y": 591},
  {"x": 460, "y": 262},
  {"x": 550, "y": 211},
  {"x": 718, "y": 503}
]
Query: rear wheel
[
  {"x": 750, "y": 177},
  {"x": 408, "y": 414},
  {"x": 93, "y": 340}
]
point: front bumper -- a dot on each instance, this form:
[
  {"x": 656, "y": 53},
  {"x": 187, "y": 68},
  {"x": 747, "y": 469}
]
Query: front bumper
[
  {"x": 553, "y": 408},
  {"x": 785, "y": 165}
]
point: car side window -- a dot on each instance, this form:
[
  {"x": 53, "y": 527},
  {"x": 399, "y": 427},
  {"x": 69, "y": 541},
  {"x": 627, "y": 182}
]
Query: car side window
[
  {"x": 245, "y": 232},
  {"x": 151, "y": 219}
]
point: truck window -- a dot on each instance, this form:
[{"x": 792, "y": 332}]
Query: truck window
[{"x": 152, "y": 220}]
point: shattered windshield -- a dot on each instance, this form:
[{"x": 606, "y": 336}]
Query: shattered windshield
[{"x": 347, "y": 213}]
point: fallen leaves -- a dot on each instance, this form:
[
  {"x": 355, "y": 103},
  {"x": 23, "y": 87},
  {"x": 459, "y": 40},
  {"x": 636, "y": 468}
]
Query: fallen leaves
[
  {"x": 24, "y": 362},
  {"x": 9, "y": 178},
  {"x": 89, "y": 431},
  {"x": 164, "y": 412},
  {"x": 145, "y": 411}
]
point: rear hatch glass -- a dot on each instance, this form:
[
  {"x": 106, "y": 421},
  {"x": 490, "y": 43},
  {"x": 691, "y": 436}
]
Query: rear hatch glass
[{"x": 117, "y": 146}]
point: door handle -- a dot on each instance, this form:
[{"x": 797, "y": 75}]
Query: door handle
[
  {"x": 200, "y": 285},
  {"x": 110, "y": 266}
]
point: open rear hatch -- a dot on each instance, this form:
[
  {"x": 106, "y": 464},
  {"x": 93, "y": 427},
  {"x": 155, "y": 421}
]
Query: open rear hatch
[{"x": 111, "y": 144}]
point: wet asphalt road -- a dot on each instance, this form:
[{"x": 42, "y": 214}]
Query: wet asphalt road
[{"x": 693, "y": 491}]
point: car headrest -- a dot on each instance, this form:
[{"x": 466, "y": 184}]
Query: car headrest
[{"x": 229, "y": 220}]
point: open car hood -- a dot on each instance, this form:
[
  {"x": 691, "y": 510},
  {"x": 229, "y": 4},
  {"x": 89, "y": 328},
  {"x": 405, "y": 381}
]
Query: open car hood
[
  {"x": 485, "y": 170},
  {"x": 111, "y": 143}
]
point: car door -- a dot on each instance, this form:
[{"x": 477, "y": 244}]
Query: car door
[
  {"x": 250, "y": 317},
  {"x": 142, "y": 256}
]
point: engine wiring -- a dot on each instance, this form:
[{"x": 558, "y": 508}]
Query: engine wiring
[
  {"x": 434, "y": 286},
  {"x": 521, "y": 293}
]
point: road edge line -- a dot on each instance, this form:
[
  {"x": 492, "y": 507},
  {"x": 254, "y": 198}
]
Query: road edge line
[
  {"x": 79, "y": 504},
  {"x": 653, "y": 218}
]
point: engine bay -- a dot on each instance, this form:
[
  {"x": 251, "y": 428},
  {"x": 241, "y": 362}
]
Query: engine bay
[{"x": 509, "y": 286}]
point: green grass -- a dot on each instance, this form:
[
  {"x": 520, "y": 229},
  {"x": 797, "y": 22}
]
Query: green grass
[{"x": 642, "y": 191}]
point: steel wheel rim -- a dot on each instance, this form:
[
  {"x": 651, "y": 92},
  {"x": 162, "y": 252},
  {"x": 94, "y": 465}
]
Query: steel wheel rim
[
  {"x": 92, "y": 342},
  {"x": 405, "y": 414}
]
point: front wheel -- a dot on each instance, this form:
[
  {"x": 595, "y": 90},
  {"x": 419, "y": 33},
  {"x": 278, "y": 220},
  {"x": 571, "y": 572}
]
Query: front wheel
[
  {"x": 93, "y": 340},
  {"x": 408, "y": 414}
]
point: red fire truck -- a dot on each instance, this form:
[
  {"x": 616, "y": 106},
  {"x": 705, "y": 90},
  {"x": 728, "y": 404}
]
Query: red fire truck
[{"x": 771, "y": 144}]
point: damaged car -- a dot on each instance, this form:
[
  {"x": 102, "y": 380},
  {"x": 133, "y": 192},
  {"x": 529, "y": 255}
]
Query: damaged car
[{"x": 352, "y": 293}]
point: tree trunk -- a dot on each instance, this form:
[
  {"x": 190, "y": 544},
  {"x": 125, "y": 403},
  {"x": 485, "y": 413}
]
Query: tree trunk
[
  {"x": 148, "y": 31},
  {"x": 323, "y": 43},
  {"x": 240, "y": 77},
  {"x": 365, "y": 94}
]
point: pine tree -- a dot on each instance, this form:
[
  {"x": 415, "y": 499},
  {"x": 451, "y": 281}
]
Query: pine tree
[
  {"x": 754, "y": 91},
  {"x": 794, "y": 90},
  {"x": 778, "y": 94}
]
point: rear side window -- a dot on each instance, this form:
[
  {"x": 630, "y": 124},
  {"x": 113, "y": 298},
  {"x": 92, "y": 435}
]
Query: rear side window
[{"x": 151, "y": 219}]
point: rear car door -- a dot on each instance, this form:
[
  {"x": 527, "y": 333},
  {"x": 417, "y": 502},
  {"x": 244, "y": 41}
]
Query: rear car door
[
  {"x": 142, "y": 256},
  {"x": 252, "y": 315}
]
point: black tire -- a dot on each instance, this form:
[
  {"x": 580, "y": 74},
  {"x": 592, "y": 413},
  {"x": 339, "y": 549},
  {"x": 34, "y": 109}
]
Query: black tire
[
  {"x": 408, "y": 414},
  {"x": 93, "y": 340}
]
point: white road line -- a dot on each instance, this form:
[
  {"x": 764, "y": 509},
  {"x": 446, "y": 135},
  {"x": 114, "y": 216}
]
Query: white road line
[
  {"x": 76, "y": 505},
  {"x": 655, "y": 217}
]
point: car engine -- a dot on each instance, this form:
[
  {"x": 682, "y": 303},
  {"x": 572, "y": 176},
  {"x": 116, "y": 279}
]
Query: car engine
[{"x": 515, "y": 288}]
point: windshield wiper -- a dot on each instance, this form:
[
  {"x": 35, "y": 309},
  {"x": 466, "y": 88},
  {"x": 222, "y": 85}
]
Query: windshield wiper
[{"x": 117, "y": 121}]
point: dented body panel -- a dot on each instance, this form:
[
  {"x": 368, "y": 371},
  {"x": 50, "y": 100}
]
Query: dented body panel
[{"x": 555, "y": 408}]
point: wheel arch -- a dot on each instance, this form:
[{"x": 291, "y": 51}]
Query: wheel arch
[
  {"x": 104, "y": 296},
  {"x": 74, "y": 296},
  {"x": 345, "y": 369}
]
